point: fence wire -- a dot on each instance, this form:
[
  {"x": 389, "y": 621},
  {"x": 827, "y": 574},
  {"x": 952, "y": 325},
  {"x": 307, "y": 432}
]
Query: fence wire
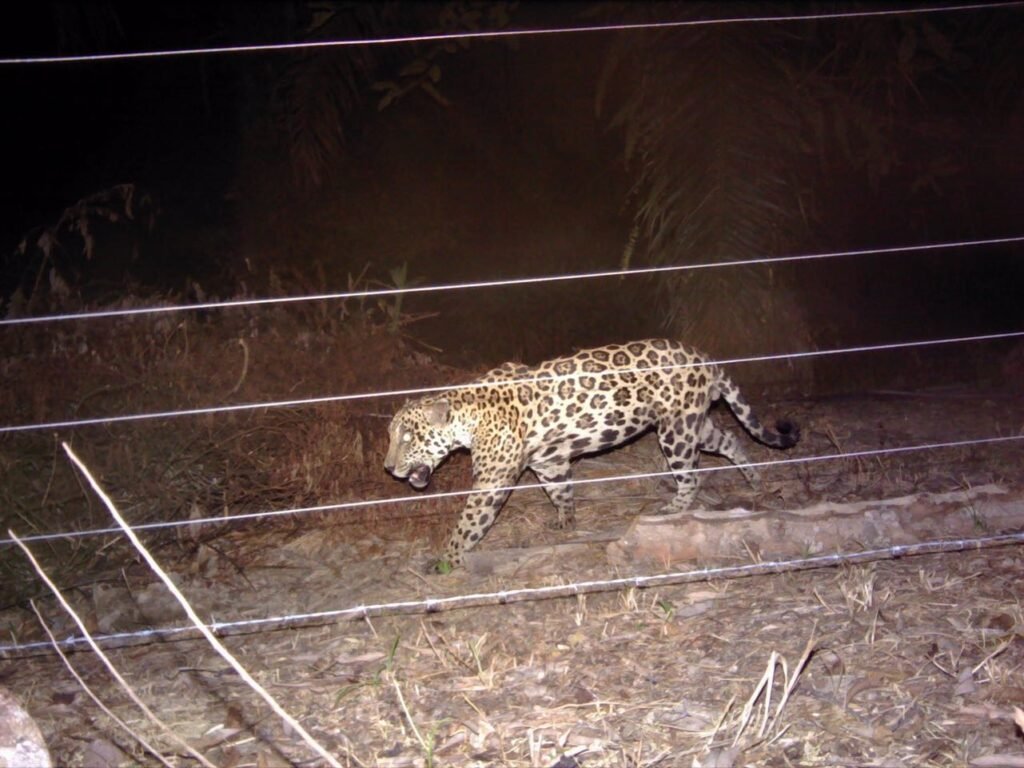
[
  {"x": 419, "y": 391},
  {"x": 430, "y": 605},
  {"x": 507, "y": 596},
  {"x": 503, "y": 282},
  {"x": 429, "y": 497},
  {"x": 502, "y": 33}
]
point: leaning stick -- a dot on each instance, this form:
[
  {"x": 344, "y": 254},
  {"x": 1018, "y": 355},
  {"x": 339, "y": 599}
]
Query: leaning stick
[
  {"x": 194, "y": 617},
  {"x": 96, "y": 699},
  {"x": 109, "y": 664}
]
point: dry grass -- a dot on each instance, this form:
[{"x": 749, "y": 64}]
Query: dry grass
[
  {"x": 251, "y": 461},
  {"x": 913, "y": 662},
  {"x": 620, "y": 681}
]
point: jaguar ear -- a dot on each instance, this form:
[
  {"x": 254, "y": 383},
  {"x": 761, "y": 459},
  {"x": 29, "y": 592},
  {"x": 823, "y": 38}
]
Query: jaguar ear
[{"x": 437, "y": 412}]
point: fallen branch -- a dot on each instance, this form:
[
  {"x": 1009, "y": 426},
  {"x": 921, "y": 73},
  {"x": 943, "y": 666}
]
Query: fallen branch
[{"x": 524, "y": 594}]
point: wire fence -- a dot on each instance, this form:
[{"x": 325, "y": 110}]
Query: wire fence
[
  {"x": 367, "y": 503},
  {"x": 429, "y": 605}
]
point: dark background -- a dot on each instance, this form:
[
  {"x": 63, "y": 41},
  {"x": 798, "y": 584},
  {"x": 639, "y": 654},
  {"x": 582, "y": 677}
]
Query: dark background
[{"x": 282, "y": 172}]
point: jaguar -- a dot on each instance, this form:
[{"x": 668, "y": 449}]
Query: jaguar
[{"x": 543, "y": 417}]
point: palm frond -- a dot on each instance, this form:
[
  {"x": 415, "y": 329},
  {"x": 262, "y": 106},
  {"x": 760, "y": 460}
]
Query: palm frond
[
  {"x": 709, "y": 138},
  {"x": 319, "y": 90}
]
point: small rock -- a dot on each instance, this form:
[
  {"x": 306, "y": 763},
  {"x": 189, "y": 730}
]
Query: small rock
[{"x": 21, "y": 743}]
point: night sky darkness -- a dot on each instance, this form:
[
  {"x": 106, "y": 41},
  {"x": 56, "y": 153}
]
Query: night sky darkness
[
  {"x": 73, "y": 129},
  {"x": 524, "y": 141}
]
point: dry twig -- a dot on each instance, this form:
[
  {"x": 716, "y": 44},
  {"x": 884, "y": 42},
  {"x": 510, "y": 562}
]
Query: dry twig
[
  {"x": 85, "y": 687},
  {"x": 194, "y": 617},
  {"x": 102, "y": 656}
]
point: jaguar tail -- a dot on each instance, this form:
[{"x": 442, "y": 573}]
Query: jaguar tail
[{"x": 786, "y": 433}]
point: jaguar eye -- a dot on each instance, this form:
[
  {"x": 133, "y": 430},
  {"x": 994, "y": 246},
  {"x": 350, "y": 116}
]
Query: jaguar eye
[{"x": 407, "y": 437}]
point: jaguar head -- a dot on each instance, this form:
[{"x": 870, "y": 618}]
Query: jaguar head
[{"x": 420, "y": 438}]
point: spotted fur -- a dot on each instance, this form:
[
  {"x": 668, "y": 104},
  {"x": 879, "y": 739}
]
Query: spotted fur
[{"x": 543, "y": 417}]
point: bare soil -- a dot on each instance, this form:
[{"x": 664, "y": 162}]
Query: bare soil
[{"x": 917, "y": 661}]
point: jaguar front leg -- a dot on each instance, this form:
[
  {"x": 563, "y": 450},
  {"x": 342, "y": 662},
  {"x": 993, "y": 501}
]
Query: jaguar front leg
[{"x": 482, "y": 507}]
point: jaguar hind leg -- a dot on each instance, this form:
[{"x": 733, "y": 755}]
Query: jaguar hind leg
[
  {"x": 725, "y": 444},
  {"x": 679, "y": 442},
  {"x": 556, "y": 475}
]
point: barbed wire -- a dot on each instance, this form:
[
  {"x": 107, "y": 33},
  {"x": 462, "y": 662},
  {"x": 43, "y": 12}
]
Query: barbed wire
[
  {"x": 430, "y": 497},
  {"x": 501, "y": 283},
  {"x": 524, "y": 594},
  {"x": 417, "y": 391},
  {"x": 503, "y": 33}
]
